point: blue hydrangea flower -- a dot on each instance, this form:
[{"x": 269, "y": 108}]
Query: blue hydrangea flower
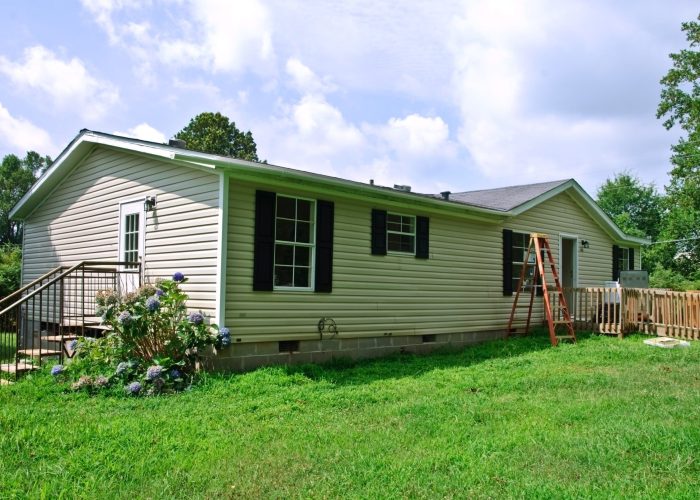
[
  {"x": 224, "y": 337},
  {"x": 196, "y": 318},
  {"x": 159, "y": 292},
  {"x": 133, "y": 388},
  {"x": 175, "y": 373},
  {"x": 152, "y": 304},
  {"x": 121, "y": 368},
  {"x": 57, "y": 370},
  {"x": 125, "y": 318},
  {"x": 73, "y": 345},
  {"x": 178, "y": 276},
  {"x": 153, "y": 372}
]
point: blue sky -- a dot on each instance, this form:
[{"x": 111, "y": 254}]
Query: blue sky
[{"x": 454, "y": 95}]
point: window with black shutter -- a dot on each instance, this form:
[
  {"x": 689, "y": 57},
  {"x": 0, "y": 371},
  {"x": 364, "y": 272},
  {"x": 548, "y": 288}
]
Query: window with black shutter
[
  {"x": 400, "y": 233},
  {"x": 293, "y": 244}
]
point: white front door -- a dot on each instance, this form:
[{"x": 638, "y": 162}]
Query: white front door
[{"x": 132, "y": 222}]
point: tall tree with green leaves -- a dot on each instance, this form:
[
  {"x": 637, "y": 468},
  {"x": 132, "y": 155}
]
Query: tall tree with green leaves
[
  {"x": 215, "y": 133},
  {"x": 16, "y": 177},
  {"x": 635, "y": 207},
  {"x": 680, "y": 107}
]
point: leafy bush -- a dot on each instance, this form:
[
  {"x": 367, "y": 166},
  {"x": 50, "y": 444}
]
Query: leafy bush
[
  {"x": 673, "y": 280},
  {"x": 154, "y": 345},
  {"x": 10, "y": 269}
]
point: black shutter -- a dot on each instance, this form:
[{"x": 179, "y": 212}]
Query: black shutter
[
  {"x": 615, "y": 262},
  {"x": 324, "y": 246},
  {"x": 264, "y": 246},
  {"x": 422, "y": 237},
  {"x": 378, "y": 232},
  {"x": 631, "y": 250},
  {"x": 507, "y": 262}
]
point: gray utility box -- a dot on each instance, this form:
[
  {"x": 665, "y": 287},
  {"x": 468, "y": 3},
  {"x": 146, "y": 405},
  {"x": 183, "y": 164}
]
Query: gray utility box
[{"x": 634, "y": 279}]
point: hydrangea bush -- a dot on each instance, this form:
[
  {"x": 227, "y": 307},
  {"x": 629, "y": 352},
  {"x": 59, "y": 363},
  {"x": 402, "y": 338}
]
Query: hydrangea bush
[{"x": 154, "y": 344}]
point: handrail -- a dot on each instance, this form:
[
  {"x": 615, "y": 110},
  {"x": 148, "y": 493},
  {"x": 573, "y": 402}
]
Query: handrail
[
  {"x": 33, "y": 283},
  {"x": 63, "y": 275}
]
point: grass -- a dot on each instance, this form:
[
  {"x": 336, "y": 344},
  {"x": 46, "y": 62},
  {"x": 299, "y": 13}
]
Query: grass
[{"x": 602, "y": 418}]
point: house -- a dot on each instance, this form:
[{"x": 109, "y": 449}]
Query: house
[{"x": 275, "y": 254}]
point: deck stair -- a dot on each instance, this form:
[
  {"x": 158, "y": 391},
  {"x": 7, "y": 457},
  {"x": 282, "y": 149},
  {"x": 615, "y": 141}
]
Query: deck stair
[
  {"x": 38, "y": 321},
  {"x": 558, "y": 320}
]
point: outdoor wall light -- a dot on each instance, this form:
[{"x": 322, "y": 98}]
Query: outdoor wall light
[
  {"x": 585, "y": 244},
  {"x": 149, "y": 203}
]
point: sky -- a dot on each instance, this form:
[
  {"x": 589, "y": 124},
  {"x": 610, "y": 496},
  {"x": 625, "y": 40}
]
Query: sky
[{"x": 438, "y": 95}]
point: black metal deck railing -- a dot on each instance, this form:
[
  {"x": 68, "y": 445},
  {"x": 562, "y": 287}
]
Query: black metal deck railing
[{"x": 37, "y": 321}]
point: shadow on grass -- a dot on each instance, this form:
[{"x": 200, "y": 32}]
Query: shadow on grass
[{"x": 344, "y": 371}]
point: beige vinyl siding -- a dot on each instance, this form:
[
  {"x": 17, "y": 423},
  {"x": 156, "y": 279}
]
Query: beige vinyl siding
[
  {"x": 80, "y": 220},
  {"x": 561, "y": 215},
  {"x": 372, "y": 295},
  {"x": 459, "y": 289}
]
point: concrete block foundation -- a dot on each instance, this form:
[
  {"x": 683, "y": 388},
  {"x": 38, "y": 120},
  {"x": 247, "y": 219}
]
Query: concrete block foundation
[{"x": 249, "y": 356}]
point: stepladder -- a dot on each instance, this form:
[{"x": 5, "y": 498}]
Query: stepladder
[{"x": 532, "y": 276}]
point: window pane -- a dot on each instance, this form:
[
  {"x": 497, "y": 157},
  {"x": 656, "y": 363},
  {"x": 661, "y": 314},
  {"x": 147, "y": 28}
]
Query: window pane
[
  {"x": 301, "y": 256},
  {"x": 285, "y": 207},
  {"x": 285, "y": 230},
  {"x": 393, "y": 226},
  {"x": 284, "y": 254},
  {"x": 407, "y": 243},
  {"x": 303, "y": 210},
  {"x": 303, "y": 232},
  {"x": 283, "y": 276},
  {"x": 301, "y": 276},
  {"x": 400, "y": 242}
]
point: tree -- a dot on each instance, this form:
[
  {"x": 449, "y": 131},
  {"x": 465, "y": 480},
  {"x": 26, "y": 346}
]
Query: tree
[
  {"x": 16, "y": 177},
  {"x": 215, "y": 133},
  {"x": 680, "y": 106},
  {"x": 636, "y": 208}
]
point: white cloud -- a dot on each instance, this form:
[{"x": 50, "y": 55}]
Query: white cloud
[
  {"x": 237, "y": 34},
  {"x": 22, "y": 135},
  {"x": 145, "y": 132},
  {"x": 416, "y": 135},
  {"x": 227, "y": 36},
  {"x": 305, "y": 80},
  {"x": 67, "y": 83}
]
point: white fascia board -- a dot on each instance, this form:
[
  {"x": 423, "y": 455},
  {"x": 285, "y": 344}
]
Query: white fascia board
[
  {"x": 70, "y": 157},
  {"x": 251, "y": 171},
  {"x": 589, "y": 205}
]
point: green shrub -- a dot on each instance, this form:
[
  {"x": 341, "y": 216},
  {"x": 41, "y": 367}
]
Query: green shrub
[{"x": 10, "y": 269}]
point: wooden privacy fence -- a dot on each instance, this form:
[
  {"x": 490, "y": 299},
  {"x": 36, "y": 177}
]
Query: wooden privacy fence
[{"x": 624, "y": 310}]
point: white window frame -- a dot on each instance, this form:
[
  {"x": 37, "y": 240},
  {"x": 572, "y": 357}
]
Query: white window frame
[
  {"x": 624, "y": 259},
  {"x": 515, "y": 278},
  {"x": 129, "y": 207},
  {"x": 412, "y": 234},
  {"x": 311, "y": 246}
]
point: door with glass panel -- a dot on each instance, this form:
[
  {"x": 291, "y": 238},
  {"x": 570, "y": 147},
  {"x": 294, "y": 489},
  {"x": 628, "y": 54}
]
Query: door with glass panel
[{"x": 131, "y": 242}]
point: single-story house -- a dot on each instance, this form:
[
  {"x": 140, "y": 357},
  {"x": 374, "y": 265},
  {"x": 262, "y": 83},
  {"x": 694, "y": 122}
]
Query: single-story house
[{"x": 270, "y": 251}]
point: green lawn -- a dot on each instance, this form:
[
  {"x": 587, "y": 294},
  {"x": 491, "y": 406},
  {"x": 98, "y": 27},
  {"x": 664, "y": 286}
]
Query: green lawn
[{"x": 602, "y": 418}]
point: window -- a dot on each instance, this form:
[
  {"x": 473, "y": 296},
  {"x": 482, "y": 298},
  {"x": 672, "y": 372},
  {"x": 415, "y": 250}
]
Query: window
[
  {"x": 521, "y": 241},
  {"x": 624, "y": 260},
  {"x": 401, "y": 233},
  {"x": 396, "y": 233},
  {"x": 131, "y": 239},
  {"x": 294, "y": 242}
]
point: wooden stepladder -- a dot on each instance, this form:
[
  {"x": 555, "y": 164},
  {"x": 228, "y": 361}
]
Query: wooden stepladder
[{"x": 556, "y": 322}]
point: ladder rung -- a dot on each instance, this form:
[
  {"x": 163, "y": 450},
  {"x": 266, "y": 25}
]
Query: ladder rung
[
  {"x": 565, "y": 337},
  {"x": 561, "y": 322}
]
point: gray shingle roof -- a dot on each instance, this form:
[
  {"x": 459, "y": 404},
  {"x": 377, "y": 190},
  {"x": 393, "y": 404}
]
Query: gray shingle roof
[{"x": 505, "y": 198}]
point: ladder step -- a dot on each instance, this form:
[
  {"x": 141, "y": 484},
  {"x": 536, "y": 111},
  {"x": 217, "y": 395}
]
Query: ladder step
[
  {"x": 35, "y": 353},
  {"x": 22, "y": 366},
  {"x": 565, "y": 337},
  {"x": 561, "y": 322}
]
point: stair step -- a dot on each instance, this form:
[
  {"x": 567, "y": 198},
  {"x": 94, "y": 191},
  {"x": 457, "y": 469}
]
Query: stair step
[
  {"x": 59, "y": 338},
  {"x": 35, "y": 353},
  {"x": 22, "y": 366}
]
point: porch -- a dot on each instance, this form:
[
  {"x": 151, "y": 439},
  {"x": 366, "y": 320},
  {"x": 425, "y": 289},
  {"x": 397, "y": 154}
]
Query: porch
[{"x": 617, "y": 311}]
